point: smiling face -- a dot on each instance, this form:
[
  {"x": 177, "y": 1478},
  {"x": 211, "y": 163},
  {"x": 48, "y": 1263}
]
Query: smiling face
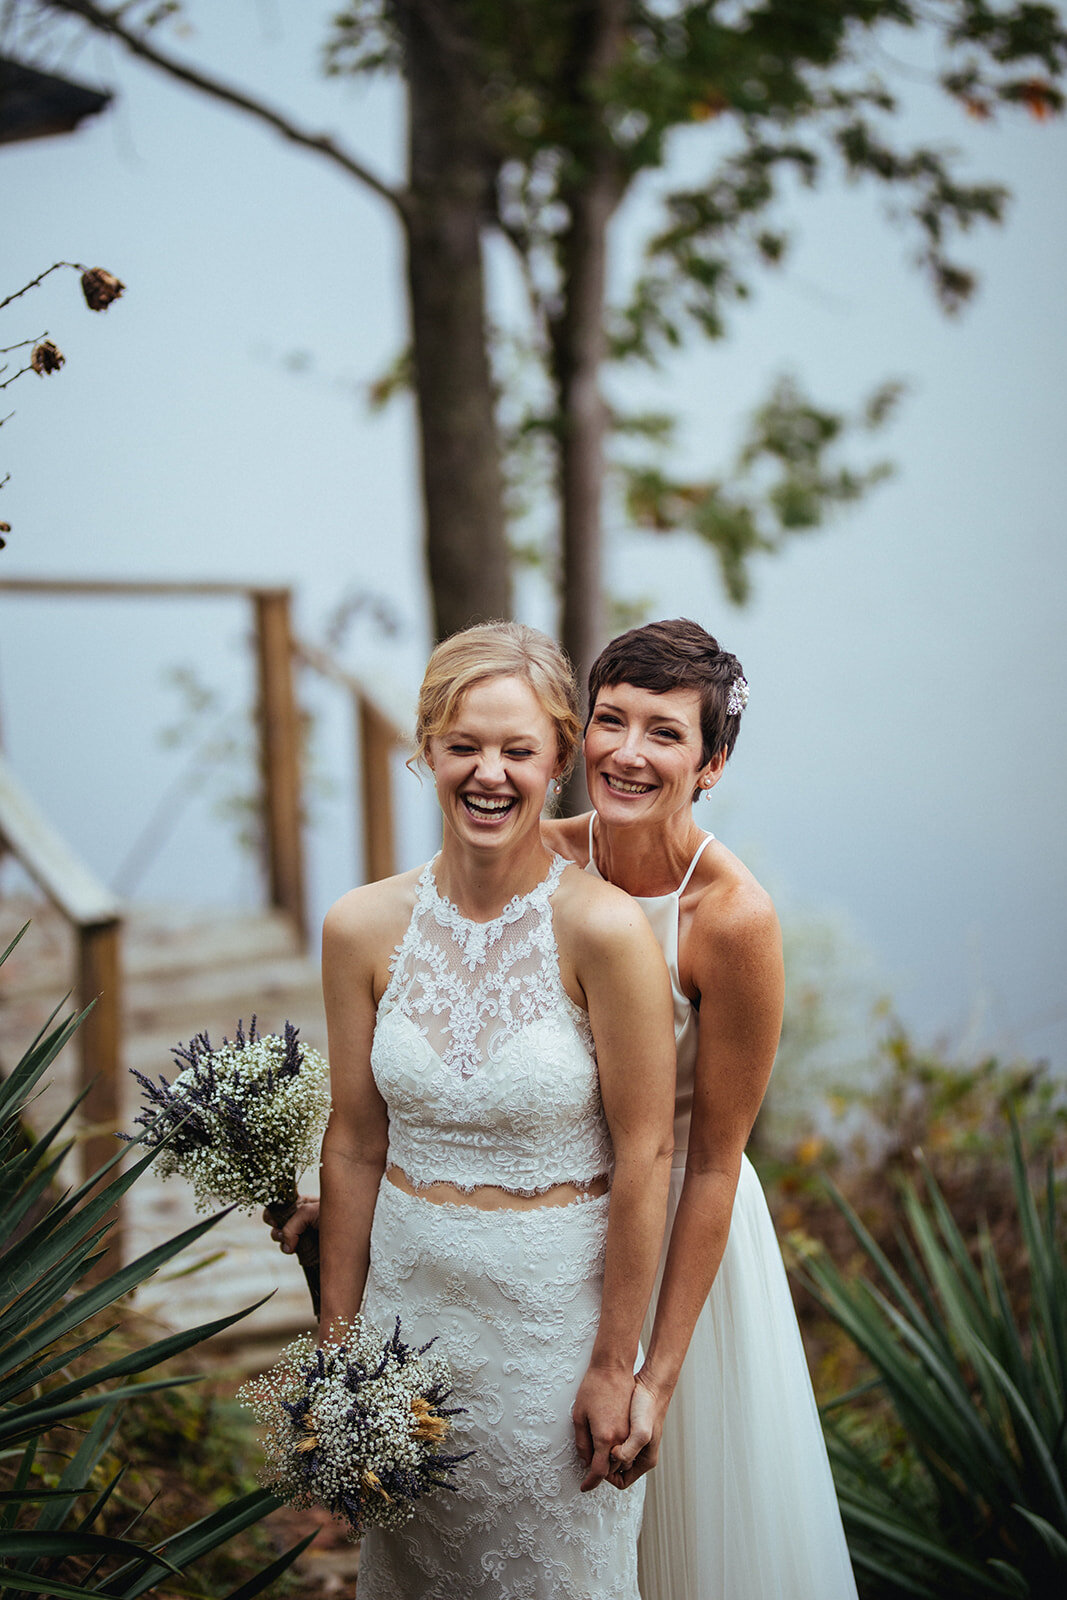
[
  {"x": 643, "y": 753},
  {"x": 494, "y": 762}
]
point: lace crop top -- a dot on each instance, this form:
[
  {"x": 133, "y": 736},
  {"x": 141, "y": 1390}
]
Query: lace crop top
[{"x": 486, "y": 1065}]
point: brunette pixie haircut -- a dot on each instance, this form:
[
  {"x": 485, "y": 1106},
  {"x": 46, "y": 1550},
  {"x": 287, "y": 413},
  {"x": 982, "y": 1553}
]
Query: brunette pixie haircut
[
  {"x": 499, "y": 650},
  {"x": 675, "y": 655}
]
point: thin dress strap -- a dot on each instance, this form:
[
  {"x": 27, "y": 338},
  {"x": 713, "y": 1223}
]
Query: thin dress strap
[{"x": 701, "y": 847}]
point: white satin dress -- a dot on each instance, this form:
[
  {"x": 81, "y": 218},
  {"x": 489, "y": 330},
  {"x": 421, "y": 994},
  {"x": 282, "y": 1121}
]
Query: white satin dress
[{"x": 741, "y": 1505}]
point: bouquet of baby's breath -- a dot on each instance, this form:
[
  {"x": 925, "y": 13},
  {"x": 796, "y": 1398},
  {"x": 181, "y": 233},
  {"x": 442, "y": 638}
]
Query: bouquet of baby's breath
[
  {"x": 356, "y": 1424},
  {"x": 241, "y": 1122}
]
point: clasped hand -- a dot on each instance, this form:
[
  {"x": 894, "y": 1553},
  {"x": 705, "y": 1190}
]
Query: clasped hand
[{"x": 618, "y": 1421}]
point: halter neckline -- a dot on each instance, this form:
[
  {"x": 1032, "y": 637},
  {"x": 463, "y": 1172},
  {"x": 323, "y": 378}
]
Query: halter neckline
[
  {"x": 514, "y": 908},
  {"x": 671, "y": 893}
]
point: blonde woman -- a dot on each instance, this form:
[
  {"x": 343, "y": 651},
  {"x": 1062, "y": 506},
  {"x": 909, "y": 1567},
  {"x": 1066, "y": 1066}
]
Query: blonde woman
[{"x": 496, "y": 1165}]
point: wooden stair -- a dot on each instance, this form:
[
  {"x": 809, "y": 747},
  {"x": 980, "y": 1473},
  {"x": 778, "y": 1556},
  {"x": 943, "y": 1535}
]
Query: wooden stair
[{"x": 183, "y": 972}]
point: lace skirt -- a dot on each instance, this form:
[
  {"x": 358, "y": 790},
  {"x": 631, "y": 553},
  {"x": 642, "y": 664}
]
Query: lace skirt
[
  {"x": 514, "y": 1297},
  {"x": 741, "y": 1505}
]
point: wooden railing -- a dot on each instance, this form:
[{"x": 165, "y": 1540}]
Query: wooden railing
[
  {"x": 96, "y": 918},
  {"x": 375, "y": 733},
  {"x": 96, "y": 915},
  {"x": 375, "y": 736}
]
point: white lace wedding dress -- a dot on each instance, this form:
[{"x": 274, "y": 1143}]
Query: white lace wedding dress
[
  {"x": 488, "y": 1070},
  {"x": 741, "y": 1505}
]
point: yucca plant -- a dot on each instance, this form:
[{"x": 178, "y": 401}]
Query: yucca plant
[
  {"x": 50, "y": 1313},
  {"x": 951, "y": 1464}
]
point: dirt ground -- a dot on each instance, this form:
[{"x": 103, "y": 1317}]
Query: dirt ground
[{"x": 327, "y": 1569}]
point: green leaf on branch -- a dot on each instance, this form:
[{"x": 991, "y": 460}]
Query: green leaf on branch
[{"x": 784, "y": 481}]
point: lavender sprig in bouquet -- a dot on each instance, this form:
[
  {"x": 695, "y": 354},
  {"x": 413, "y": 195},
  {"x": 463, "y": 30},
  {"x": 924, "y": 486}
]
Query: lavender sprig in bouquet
[
  {"x": 241, "y": 1122},
  {"x": 356, "y": 1424}
]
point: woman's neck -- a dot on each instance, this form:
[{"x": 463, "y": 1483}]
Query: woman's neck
[
  {"x": 482, "y": 882},
  {"x": 644, "y": 859}
]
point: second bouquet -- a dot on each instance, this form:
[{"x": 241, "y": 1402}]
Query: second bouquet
[{"x": 241, "y": 1121}]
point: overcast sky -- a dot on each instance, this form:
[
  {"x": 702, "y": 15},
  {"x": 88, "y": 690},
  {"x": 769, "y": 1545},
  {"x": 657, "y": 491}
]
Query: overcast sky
[{"x": 901, "y": 768}]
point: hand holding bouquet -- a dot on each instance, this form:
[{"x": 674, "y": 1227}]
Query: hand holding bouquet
[
  {"x": 356, "y": 1424},
  {"x": 241, "y": 1123}
]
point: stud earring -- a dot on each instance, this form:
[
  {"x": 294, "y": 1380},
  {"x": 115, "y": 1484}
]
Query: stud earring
[{"x": 557, "y": 787}]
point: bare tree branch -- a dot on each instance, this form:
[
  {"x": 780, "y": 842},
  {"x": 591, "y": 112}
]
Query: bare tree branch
[
  {"x": 110, "y": 22},
  {"x": 75, "y": 266},
  {"x": 6, "y": 351}
]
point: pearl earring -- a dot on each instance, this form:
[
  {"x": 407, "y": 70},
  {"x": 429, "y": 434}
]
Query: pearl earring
[{"x": 557, "y": 787}]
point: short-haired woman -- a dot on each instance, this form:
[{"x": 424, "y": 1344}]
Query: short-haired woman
[{"x": 742, "y": 1504}]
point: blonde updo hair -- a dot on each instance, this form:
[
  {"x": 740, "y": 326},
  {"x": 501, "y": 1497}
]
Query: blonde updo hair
[{"x": 499, "y": 650}]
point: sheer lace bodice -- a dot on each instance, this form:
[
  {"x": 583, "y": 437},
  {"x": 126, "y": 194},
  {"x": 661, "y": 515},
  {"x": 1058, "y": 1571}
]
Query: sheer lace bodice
[{"x": 486, "y": 1065}]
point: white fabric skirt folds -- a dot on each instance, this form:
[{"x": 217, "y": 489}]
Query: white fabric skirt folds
[
  {"x": 514, "y": 1299},
  {"x": 742, "y": 1505}
]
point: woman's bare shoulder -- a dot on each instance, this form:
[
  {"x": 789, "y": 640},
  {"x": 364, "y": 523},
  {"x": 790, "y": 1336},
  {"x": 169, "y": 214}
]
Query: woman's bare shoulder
[
  {"x": 731, "y": 960},
  {"x": 730, "y": 908},
  {"x": 568, "y": 836},
  {"x": 372, "y": 914},
  {"x": 596, "y": 916}
]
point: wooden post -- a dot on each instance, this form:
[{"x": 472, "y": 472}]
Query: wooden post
[
  {"x": 100, "y": 1043},
  {"x": 376, "y": 741},
  {"x": 279, "y": 735}
]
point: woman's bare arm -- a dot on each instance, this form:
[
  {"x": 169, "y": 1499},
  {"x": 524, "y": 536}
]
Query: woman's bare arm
[
  {"x": 355, "y": 945},
  {"x": 621, "y": 971},
  {"x": 737, "y": 966}
]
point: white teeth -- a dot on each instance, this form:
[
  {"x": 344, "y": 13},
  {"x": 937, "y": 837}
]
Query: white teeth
[
  {"x": 488, "y": 803},
  {"x": 628, "y": 788}
]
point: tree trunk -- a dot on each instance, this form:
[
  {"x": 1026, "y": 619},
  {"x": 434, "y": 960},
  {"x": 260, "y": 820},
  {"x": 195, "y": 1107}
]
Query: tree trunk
[
  {"x": 578, "y": 352},
  {"x": 451, "y": 176},
  {"x": 578, "y": 349}
]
